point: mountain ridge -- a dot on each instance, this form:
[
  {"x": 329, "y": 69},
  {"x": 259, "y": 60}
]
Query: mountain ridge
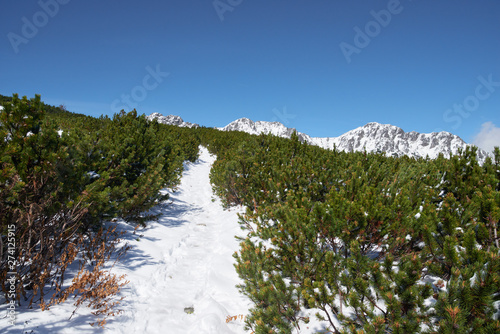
[
  {"x": 171, "y": 120},
  {"x": 372, "y": 137}
]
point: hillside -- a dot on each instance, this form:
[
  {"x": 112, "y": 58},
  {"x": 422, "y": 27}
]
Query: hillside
[{"x": 332, "y": 240}]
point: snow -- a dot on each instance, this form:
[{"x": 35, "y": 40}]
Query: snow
[
  {"x": 391, "y": 139},
  {"x": 256, "y": 128},
  {"x": 93, "y": 175},
  {"x": 182, "y": 260},
  {"x": 171, "y": 120}
]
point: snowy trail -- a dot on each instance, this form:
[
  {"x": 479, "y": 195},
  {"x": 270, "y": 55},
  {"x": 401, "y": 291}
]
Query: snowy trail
[
  {"x": 182, "y": 260},
  {"x": 186, "y": 262}
]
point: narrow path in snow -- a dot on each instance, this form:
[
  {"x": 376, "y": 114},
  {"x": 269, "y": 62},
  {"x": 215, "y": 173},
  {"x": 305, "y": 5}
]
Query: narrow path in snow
[{"x": 184, "y": 260}]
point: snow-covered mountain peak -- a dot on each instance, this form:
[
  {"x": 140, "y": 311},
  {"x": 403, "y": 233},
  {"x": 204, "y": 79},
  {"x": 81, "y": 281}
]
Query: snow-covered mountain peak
[
  {"x": 242, "y": 124},
  {"x": 274, "y": 128},
  {"x": 171, "y": 120},
  {"x": 372, "y": 137},
  {"x": 374, "y": 129},
  {"x": 376, "y": 137}
]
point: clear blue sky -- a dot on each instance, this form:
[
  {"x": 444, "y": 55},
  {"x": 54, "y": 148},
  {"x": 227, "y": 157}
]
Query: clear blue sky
[{"x": 321, "y": 66}]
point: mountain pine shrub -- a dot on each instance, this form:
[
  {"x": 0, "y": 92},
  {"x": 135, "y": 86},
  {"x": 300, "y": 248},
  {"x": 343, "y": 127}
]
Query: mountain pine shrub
[
  {"x": 40, "y": 198},
  {"x": 372, "y": 244}
]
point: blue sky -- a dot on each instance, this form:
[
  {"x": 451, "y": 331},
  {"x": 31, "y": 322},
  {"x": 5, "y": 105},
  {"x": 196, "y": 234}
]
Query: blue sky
[{"x": 323, "y": 67}]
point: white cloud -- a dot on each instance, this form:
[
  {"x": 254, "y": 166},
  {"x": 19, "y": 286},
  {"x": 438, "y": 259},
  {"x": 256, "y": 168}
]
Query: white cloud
[{"x": 488, "y": 137}]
